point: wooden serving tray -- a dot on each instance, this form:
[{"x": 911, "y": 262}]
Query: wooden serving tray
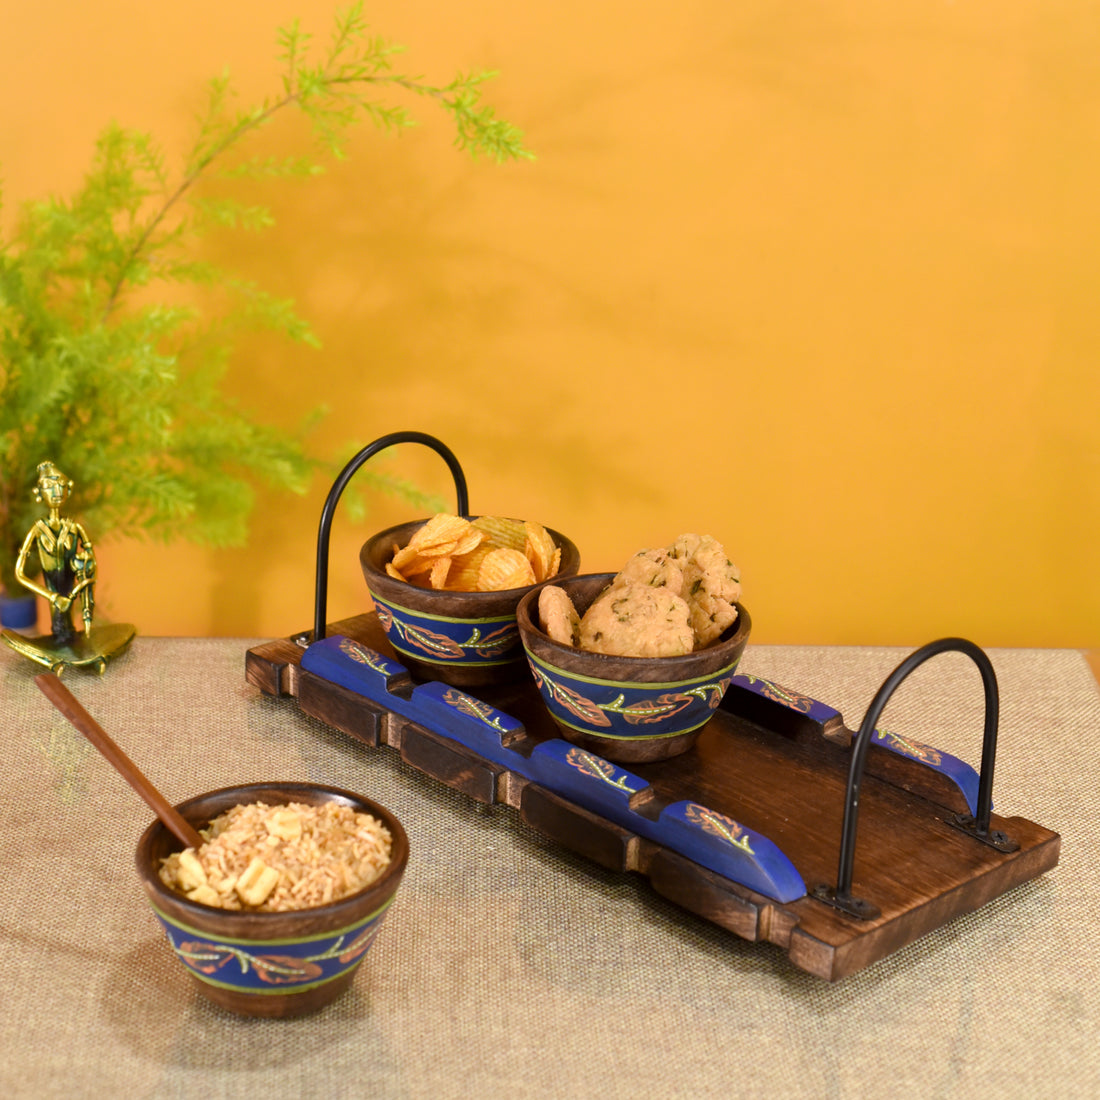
[{"x": 741, "y": 830}]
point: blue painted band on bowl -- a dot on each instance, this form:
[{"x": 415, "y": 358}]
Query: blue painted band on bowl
[
  {"x": 626, "y": 711},
  {"x": 317, "y": 960},
  {"x": 320, "y": 937},
  {"x": 449, "y": 641},
  {"x": 724, "y": 672}
]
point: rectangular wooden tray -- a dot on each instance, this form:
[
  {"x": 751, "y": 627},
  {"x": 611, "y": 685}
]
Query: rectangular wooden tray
[{"x": 769, "y": 771}]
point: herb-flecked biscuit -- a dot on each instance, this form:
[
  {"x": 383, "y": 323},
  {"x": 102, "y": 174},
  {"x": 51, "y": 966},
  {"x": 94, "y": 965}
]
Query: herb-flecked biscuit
[
  {"x": 711, "y": 585},
  {"x": 656, "y": 568},
  {"x": 637, "y": 620},
  {"x": 558, "y": 616}
]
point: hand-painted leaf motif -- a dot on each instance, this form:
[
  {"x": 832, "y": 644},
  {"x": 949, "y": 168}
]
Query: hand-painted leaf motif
[
  {"x": 718, "y": 825},
  {"x": 385, "y": 617},
  {"x": 925, "y": 753},
  {"x": 362, "y": 655},
  {"x": 467, "y": 704},
  {"x": 439, "y": 645},
  {"x": 577, "y": 704},
  {"x": 594, "y": 766},
  {"x": 204, "y": 957},
  {"x": 284, "y": 969},
  {"x": 359, "y": 945},
  {"x": 717, "y": 691},
  {"x": 497, "y": 642},
  {"x": 792, "y": 699},
  {"x": 646, "y": 711}
]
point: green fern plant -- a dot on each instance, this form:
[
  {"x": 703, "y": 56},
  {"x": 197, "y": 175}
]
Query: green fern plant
[{"x": 125, "y": 392}]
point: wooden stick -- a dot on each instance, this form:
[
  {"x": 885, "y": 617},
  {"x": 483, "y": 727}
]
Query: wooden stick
[{"x": 66, "y": 702}]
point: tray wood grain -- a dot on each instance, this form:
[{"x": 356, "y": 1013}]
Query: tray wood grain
[{"x": 774, "y": 769}]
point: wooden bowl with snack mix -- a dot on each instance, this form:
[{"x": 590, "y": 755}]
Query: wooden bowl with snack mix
[
  {"x": 274, "y": 914},
  {"x": 445, "y": 590}
]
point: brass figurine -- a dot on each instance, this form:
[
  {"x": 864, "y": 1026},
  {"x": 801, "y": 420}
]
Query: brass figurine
[{"x": 68, "y": 565}]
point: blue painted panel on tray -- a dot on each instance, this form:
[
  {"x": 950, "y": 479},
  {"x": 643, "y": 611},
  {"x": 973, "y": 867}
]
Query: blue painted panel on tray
[{"x": 582, "y": 777}]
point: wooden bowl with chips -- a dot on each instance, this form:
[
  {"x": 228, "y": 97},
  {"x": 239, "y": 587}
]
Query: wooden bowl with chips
[
  {"x": 627, "y": 709},
  {"x": 258, "y": 963},
  {"x": 462, "y": 638}
]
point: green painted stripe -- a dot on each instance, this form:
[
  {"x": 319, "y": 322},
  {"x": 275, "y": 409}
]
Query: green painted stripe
[
  {"x": 420, "y": 656},
  {"x": 273, "y": 943},
  {"x": 588, "y": 731},
  {"x": 711, "y": 678},
  {"x": 276, "y": 991},
  {"x": 416, "y": 614}
]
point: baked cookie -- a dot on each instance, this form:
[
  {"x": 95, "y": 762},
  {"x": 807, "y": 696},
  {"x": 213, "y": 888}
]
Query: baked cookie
[
  {"x": 711, "y": 585},
  {"x": 637, "y": 620},
  {"x": 656, "y": 568},
  {"x": 558, "y": 616}
]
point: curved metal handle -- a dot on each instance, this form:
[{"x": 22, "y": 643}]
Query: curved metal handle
[
  {"x": 340, "y": 484},
  {"x": 840, "y": 896}
]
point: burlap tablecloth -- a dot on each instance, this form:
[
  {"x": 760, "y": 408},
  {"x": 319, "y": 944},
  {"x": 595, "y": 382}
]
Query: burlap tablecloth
[{"x": 507, "y": 967}]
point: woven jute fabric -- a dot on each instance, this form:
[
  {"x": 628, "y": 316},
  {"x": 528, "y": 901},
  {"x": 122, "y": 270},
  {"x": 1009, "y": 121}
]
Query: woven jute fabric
[{"x": 508, "y": 967}]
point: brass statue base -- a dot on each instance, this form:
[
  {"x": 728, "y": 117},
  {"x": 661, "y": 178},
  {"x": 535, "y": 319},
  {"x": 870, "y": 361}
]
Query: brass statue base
[
  {"x": 90, "y": 649},
  {"x": 67, "y": 564}
]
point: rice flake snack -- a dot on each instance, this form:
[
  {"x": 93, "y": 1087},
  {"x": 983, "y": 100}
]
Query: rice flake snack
[
  {"x": 664, "y": 602},
  {"x": 265, "y": 858}
]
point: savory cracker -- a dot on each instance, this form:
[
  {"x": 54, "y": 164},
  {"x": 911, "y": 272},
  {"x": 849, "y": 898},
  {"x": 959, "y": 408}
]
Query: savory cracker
[
  {"x": 637, "y": 620},
  {"x": 558, "y": 616}
]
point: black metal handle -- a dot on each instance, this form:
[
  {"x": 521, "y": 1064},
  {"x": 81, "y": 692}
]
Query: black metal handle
[
  {"x": 841, "y": 895},
  {"x": 340, "y": 484}
]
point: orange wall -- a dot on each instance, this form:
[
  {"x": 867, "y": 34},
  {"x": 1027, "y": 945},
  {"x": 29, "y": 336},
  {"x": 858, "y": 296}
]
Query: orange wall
[{"x": 816, "y": 278}]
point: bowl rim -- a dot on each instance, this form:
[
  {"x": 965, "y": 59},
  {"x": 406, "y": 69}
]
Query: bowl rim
[
  {"x": 392, "y": 583},
  {"x": 528, "y": 625},
  {"x": 345, "y": 910}
]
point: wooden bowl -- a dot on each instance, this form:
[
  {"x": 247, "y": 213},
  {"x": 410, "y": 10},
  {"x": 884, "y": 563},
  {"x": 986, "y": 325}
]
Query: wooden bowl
[
  {"x": 461, "y": 638},
  {"x": 270, "y": 964},
  {"x": 628, "y": 709}
]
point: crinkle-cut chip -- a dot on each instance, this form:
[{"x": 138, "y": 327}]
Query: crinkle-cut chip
[
  {"x": 466, "y": 569},
  {"x": 501, "y": 532},
  {"x": 419, "y": 564},
  {"x": 442, "y": 528},
  {"x": 539, "y": 548},
  {"x": 505, "y": 568},
  {"x": 438, "y": 576},
  {"x": 402, "y": 557},
  {"x": 468, "y": 542}
]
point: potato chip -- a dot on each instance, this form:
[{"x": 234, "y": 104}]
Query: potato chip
[
  {"x": 539, "y": 548},
  {"x": 438, "y": 576},
  {"x": 505, "y": 568},
  {"x": 509, "y": 533},
  {"x": 419, "y": 564},
  {"x": 442, "y": 529},
  {"x": 466, "y": 569},
  {"x": 449, "y": 552},
  {"x": 468, "y": 542}
]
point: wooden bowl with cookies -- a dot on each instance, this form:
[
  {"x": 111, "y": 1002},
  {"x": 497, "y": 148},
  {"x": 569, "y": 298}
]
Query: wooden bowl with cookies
[{"x": 626, "y": 665}]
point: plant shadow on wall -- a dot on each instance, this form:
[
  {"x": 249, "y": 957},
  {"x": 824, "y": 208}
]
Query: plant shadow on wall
[{"x": 117, "y": 332}]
